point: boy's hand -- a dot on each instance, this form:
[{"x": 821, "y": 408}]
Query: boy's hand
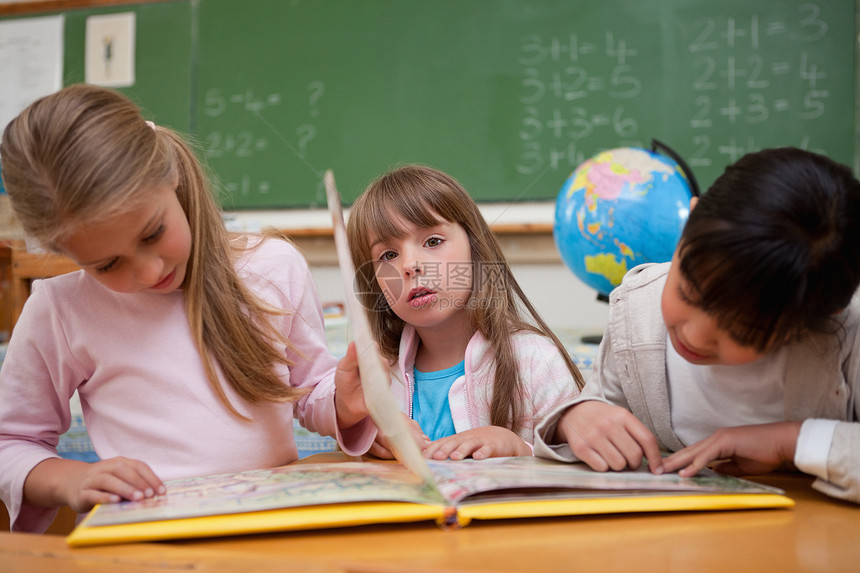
[
  {"x": 348, "y": 395},
  {"x": 480, "y": 443},
  {"x": 608, "y": 437},
  {"x": 80, "y": 485},
  {"x": 749, "y": 450}
]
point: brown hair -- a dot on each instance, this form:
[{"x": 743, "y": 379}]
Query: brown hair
[
  {"x": 85, "y": 153},
  {"x": 422, "y": 195}
]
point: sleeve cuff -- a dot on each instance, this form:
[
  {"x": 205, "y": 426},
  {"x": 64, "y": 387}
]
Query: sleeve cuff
[
  {"x": 356, "y": 441},
  {"x": 813, "y": 446}
]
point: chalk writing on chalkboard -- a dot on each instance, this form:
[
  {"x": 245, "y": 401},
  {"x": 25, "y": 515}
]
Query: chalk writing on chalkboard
[
  {"x": 243, "y": 143},
  {"x": 513, "y": 99},
  {"x": 251, "y": 143},
  {"x": 750, "y": 82},
  {"x": 751, "y": 74},
  {"x": 580, "y": 102}
]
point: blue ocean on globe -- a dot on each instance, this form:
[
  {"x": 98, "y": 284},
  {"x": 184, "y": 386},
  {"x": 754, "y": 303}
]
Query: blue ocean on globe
[{"x": 621, "y": 208}]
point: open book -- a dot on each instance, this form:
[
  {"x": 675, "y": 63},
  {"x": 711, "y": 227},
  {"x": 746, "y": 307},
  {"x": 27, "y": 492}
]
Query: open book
[
  {"x": 307, "y": 496},
  {"x": 451, "y": 493}
]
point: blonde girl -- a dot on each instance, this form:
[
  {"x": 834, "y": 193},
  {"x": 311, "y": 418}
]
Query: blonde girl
[
  {"x": 474, "y": 364},
  {"x": 191, "y": 350}
]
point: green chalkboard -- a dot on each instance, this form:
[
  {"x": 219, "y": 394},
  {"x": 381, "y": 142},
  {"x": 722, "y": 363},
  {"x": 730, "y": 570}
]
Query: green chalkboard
[
  {"x": 163, "y": 63},
  {"x": 509, "y": 96},
  {"x": 163, "y": 69}
]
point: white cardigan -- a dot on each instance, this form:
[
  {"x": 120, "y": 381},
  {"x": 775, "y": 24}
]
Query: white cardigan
[{"x": 822, "y": 379}]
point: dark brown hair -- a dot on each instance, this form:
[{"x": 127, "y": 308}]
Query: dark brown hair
[{"x": 773, "y": 248}]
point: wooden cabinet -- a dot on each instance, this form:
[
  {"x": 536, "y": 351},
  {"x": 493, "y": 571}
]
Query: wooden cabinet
[{"x": 19, "y": 269}]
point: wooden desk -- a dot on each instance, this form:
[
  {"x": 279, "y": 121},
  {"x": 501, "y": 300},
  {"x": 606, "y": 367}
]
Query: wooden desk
[
  {"x": 23, "y": 553},
  {"x": 818, "y": 534}
]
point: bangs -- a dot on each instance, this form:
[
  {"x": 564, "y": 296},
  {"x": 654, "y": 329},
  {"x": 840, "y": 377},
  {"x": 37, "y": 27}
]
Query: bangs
[
  {"x": 390, "y": 218},
  {"x": 393, "y": 205}
]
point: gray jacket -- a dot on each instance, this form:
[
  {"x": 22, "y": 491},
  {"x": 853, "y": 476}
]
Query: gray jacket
[{"x": 822, "y": 378}]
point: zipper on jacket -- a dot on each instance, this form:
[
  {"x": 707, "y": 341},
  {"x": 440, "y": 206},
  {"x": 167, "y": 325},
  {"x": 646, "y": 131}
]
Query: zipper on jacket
[
  {"x": 468, "y": 407},
  {"x": 410, "y": 392}
]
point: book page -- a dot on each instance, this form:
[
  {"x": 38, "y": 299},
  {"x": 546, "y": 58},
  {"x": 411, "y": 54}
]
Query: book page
[
  {"x": 375, "y": 377},
  {"x": 460, "y": 480},
  {"x": 257, "y": 490}
]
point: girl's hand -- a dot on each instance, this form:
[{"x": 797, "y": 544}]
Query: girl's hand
[
  {"x": 348, "y": 395},
  {"x": 480, "y": 443},
  {"x": 381, "y": 448},
  {"x": 608, "y": 437},
  {"x": 749, "y": 450},
  {"x": 80, "y": 485}
]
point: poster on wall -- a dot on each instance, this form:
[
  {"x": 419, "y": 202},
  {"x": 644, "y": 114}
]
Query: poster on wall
[
  {"x": 110, "y": 50},
  {"x": 31, "y": 62},
  {"x": 31, "y": 66}
]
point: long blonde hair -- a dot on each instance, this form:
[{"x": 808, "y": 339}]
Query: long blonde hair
[
  {"x": 84, "y": 154},
  {"x": 421, "y": 195}
]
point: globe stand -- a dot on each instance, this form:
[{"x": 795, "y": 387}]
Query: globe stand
[
  {"x": 591, "y": 339},
  {"x": 595, "y": 338}
]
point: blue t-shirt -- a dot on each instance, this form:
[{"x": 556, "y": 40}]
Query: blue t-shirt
[{"x": 430, "y": 407}]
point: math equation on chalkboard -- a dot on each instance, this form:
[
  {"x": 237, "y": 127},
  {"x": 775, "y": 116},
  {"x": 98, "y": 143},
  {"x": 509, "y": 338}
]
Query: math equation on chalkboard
[
  {"x": 714, "y": 86},
  {"x": 510, "y": 100},
  {"x": 756, "y": 72},
  {"x": 565, "y": 103}
]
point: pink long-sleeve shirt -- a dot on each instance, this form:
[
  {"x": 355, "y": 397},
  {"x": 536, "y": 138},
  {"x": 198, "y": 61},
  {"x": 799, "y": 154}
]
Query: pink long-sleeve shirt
[{"x": 142, "y": 385}]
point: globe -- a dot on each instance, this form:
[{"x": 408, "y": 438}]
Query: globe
[{"x": 621, "y": 208}]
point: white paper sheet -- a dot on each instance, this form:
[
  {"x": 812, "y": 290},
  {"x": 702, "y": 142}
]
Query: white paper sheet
[{"x": 31, "y": 62}]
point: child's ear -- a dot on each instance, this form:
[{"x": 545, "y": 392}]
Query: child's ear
[{"x": 693, "y": 201}]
